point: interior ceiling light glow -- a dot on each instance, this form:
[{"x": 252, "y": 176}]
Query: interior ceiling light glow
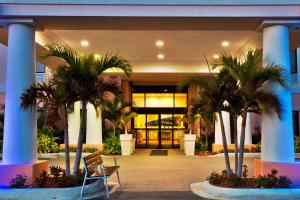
[
  {"x": 225, "y": 43},
  {"x": 216, "y": 56},
  {"x": 160, "y": 56},
  {"x": 159, "y": 43},
  {"x": 84, "y": 43}
]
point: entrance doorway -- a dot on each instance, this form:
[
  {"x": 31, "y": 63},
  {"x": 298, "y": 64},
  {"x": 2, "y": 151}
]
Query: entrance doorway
[{"x": 161, "y": 131}]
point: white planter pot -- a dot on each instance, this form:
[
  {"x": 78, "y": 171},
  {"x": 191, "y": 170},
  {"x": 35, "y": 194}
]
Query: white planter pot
[
  {"x": 181, "y": 141},
  {"x": 133, "y": 145},
  {"x": 126, "y": 144},
  {"x": 189, "y": 144}
]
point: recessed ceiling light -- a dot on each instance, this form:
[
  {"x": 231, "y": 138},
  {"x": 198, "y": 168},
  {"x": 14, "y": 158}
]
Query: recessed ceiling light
[
  {"x": 159, "y": 43},
  {"x": 84, "y": 43},
  {"x": 160, "y": 56},
  {"x": 165, "y": 90},
  {"x": 216, "y": 56},
  {"x": 225, "y": 43}
]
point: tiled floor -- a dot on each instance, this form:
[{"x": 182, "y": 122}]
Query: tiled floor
[{"x": 175, "y": 172}]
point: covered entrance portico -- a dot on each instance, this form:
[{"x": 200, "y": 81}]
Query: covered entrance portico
[{"x": 188, "y": 32}]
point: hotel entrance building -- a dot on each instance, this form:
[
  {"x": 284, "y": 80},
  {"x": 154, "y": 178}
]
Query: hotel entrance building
[{"x": 166, "y": 42}]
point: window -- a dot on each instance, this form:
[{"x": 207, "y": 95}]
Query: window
[
  {"x": 138, "y": 100},
  {"x": 155, "y": 100},
  {"x": 40, "y": 73},
  {"x": 159, "y": 100},
  {"x": 296, "y": 122},
  {"x": 294, "y": 62}
]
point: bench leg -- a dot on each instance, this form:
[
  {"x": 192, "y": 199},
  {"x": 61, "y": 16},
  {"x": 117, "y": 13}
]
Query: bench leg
[
  {"x": 81, "y": 193},
  {"x": 106, "y": 187},
  {"x": 118, "y": 177}
]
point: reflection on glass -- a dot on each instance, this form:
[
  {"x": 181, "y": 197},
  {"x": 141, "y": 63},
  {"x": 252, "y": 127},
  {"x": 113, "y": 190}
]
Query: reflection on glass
[
  {"x": 179, "y": 121},
  {"x": 180, "y": 100},
  {"x": 166, "y": 121},
  {"x": 140, "y": 121},
  {"x": 177, "y": 135},
  {"x": 152, "y": 121},
  {"x": 152, "y": 138},
  {"x": 159, "y": 100},
  {"x": 141, "y": 138},
  {"x": 138, "y": 100},
  {"x": 166, "y": 138}
]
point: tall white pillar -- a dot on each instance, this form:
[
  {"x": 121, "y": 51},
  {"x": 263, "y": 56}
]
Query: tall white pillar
[
  {"x": 74, "y": 124},
  {"x": 94, "y": 126},
  {"x": 277, "y": 134},
  {"x": 218, "y": 131},
  {"x": 20, "y": 138},
  {"x": 249, "y": 128}
]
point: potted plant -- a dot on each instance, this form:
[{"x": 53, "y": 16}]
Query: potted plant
[{"x": 190, "y": 138}]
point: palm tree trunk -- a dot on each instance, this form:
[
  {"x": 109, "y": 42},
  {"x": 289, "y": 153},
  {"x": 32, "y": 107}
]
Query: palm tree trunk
[
  {"x": 82, "y": 132},
  {"x": 66, "y": 140},
  {"x": 206, "y": 136},
  {"x": 125, "y": 127},
  {"x": 242, "y": 144},
  {"x": 235, "y": 144},
  {"x": 227, "y": 162}
]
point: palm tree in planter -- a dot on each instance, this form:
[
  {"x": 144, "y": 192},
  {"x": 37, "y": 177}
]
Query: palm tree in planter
[
  {"x": 57, "y": 97},
  {"x": 251, "y": 80},
  {"x": 214, "y": 92},
  {"x": 91, "y": 85},
  {"x": 115, "y": 111}
]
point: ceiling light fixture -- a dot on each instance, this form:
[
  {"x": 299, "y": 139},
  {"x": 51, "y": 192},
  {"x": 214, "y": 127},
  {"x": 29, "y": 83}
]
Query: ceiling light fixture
[
  {"x": 225, "y": 43},
  {"x": 216, "y": 56},
  {"x": 160, "y": 56},
  {"x": 165, "y": 90},
  {"x": 84, "y": 43},
  {"x": 159, "y": 43}
]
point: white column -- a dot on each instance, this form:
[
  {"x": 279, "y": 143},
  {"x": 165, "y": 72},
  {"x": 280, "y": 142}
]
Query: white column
[
  {"x": 277, "y": 134},
  {"x": 93, "y": 126},
  {"x": 20, "y": 138},
  {"x": 218, "y": 132},
  {"x": 249, "y": 128},
  {"x": 74, "y": 124}
]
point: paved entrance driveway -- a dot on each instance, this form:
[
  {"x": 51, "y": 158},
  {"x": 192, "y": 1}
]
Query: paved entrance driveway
[{"x": 167, "y": 177}]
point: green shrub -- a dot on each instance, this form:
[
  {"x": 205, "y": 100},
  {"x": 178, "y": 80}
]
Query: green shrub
[
  {"x": 283, "y": 182},
  {"x": 19, "y": 181},
  {"x": 112, "y": 144},
  {"x": 46, "y": 141},
  {"x": 57, "y": 179},
  {"x": 297, "y": 144},
  {"x": 90, "y": 150},
  {"x": 71, "y": 149},
  {"x": 233, "y": 181},
  {"x": 214, "y": 178},
  {"x": 200, "y": 146}
]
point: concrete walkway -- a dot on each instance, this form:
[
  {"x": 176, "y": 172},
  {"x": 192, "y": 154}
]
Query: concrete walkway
[{"x": 143, "y": 173}]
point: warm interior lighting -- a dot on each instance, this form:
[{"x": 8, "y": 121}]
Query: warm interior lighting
[
  {"x": 97, "y": 56},
  {"x": 84, "y": 43},
  {"x": 216, "y": 56},
  {"x": 159, "y": 43},
  {"x": 160, "y": 56},
  {"x": 225, "y": 43}
]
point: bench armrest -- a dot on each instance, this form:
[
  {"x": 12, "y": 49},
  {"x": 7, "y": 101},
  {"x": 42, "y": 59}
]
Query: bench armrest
[{"x": 112, "y": 157}]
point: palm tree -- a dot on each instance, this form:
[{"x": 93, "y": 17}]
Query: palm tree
[
  {"x": 190, "y": 119},
  {"x": 115, "y": 112},
  {"x": 199, "y": 107},
  {"x": 55, "y": 97},
  {"x": 87, "y": 75},
  {"x": 251, "y": 79},
  {"x": 213, "y": 93}
]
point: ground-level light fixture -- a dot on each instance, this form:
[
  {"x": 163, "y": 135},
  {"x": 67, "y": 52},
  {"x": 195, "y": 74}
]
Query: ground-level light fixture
[
  {"x": 225, "y": 43},
  {"x": 84, "y": 43},
  {"x": 159, "y": 43},
  {"x": 160, "y": 56}
]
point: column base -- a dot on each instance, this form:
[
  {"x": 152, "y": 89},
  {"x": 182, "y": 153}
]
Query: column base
[
  {"x": 219, "y": 147},
  {"x": 31, "y": 170},
  {"x": 291, "y": 170}
]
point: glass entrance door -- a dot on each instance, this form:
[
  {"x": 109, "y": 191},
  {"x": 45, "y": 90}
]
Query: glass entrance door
[{"x": 158, "y": 130}]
